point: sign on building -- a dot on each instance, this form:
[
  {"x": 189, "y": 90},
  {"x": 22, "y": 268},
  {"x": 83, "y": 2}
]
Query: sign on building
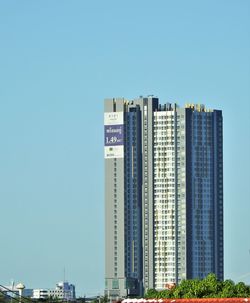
[{"x": 113, "y": 135}]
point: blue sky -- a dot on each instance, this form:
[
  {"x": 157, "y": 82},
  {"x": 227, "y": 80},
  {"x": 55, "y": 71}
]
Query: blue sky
[{"x": 58, "y": 61}]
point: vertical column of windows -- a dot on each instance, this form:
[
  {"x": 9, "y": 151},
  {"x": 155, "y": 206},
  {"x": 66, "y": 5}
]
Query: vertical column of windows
[
  {"x": 146, "y": 206},
  {"x": 180, "y": 196},
  {"x": 134, "y": 230},
  {"x": 164, "y": 197},
  {"x": 115, "y": 218},
  {"x": 127, "y": 198},
  {"x": 218, "y": 232},
  {"x": 203, "y": 224},
  {"x": 132, "y": 220}
]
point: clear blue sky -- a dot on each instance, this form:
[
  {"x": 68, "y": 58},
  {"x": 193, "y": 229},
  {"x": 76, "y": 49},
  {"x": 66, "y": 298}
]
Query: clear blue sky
[{"x": 58, "y": 61}]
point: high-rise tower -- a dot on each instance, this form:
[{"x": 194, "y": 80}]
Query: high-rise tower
[{"x": 163, "y": 194}]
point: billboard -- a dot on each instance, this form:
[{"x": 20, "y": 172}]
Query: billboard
[{"x": 113, "y": 135}]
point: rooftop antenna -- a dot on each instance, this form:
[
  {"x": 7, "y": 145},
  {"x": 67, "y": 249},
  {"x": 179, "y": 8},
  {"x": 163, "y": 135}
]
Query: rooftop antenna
[
  {"x": 12, "y": 283},
  {"x": 64, "y": 274}
]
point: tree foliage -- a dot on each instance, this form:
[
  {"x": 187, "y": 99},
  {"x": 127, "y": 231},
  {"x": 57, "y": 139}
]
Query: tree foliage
[
  {"x": 209, "y": 287},
  {"x": 101, "y": 299},
  {"x": 2, "y": 298}
]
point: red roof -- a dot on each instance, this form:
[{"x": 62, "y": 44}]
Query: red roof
[
  {"x": 202, "y": 300},
  {"x": 207, "y": 300}
]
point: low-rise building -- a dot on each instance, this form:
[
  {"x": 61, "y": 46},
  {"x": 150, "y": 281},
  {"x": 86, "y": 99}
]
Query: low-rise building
[
  {"x": 40, "y": 293},
  {"x": 62, "y": 291}
]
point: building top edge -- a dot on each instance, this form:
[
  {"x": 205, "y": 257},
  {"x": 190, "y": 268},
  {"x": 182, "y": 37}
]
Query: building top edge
[{"x": 160, "y": 106}]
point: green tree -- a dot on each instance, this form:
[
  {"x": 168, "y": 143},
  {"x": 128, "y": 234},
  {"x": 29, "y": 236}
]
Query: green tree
[
  {"x": 242, "y": 290},
  {"x": 228, "y": 289},
  {"x": 207, "y": 288},
  {"x": 101, "y": 299},
  {"x": 151, "y": 293},
  {"x": 2, "y": 298}
]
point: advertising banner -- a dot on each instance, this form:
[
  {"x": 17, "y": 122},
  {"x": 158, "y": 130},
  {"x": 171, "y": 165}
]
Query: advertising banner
[{"x": 113, "y": 135}]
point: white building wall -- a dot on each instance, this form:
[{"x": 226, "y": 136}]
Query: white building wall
[
  {"x": 63, "y": 290},
  {"x": 169, "y": 196},
  {"x": 40, "y": 294},
  {"x": 164, "y": 198}
]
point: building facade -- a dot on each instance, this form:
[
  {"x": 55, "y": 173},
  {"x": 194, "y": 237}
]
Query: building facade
[
  {"x": 62, "y": 291},
  {"x": 163, "y": 194}
]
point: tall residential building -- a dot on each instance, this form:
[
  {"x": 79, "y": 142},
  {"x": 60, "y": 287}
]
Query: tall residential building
[{"x": 163, "y": 194}]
